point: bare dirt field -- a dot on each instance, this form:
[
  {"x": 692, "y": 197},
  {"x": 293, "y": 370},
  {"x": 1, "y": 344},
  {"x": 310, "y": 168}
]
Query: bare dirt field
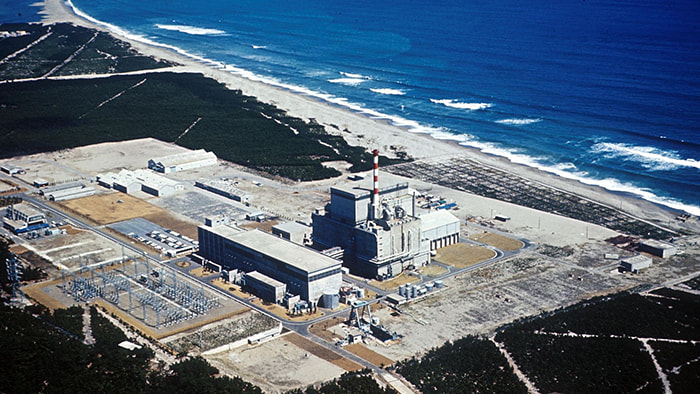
[
  {"x": 375, "y": 358},
  {"x": 499, "y": 241},
  {"x": 106, "y": 209},
  {"x": 462, "y": 255},
  {"x": 432, "y": 270},
  {"x": 322, "y": 352},
  {"x": 276, "y": 366}
]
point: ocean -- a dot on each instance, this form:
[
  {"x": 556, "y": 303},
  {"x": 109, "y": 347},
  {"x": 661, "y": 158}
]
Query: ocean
[{"x": 603, "y": 92}]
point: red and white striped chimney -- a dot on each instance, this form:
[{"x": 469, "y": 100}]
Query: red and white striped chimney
[{"x": 375, "y": 194}]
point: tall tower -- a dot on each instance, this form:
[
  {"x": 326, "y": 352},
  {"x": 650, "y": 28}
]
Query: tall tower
[{"x": 375, "y": 193}]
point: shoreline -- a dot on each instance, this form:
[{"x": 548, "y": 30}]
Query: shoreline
[{"x": 360, "y": 130}]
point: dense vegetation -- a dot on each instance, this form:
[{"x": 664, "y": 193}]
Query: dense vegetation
[
  {"x": 468, "y": 365},
  {"x": 574, "y": 364},
  {"x": 593, "y": 346},
  {"x": 41, "y": 357},
  {"x": 680, "y": 362},
  {"x": 94, "y": 52},
  {"x": 674, "y": 316},
  {"x": 48, "y": 115},
  {"x": 358, "y": 382}
]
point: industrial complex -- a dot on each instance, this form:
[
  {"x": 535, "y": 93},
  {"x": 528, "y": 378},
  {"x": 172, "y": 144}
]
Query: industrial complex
[{"x": 380, "y": 230}]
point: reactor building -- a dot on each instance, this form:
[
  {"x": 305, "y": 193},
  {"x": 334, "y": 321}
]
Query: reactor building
[{"x": 379, "y": 229}]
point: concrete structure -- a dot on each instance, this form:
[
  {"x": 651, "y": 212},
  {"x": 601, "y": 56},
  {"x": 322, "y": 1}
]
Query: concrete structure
[
  {"x": 182, "y": 161},
  {"x": 293, "y": 231},
  {"x": 21, "y": 218},
  {"x": 441, "y": 228},
  {"x": 140, "y": 180},
  {"x": 304, "y": 271},
  {"x": 379, "y": 230},
  {"x": 657, "y": 248},
  {"x": 224, "y": 188},
  {"x": 375, "y": 248},
  {"x": 636, "y": 263},
  {"x": 265, "y": 287}
]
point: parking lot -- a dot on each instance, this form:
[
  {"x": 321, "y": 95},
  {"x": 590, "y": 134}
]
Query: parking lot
[{"x": 161, "y": 239}]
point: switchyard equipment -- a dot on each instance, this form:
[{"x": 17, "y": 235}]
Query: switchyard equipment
[{"x": 157, "y": 291}]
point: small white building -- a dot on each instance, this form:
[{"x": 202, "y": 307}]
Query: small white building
[
  {"x": 440, "y": 227},
  {"x": 636, "y": 263}
]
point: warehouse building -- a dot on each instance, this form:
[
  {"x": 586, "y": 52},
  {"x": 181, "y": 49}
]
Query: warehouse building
[
  {"x": 182, "y": 161},
  {"x": 224, "y": 188},
  {"x": 67, "y": 191},
  {"x": 657, "y": 248},
  {"x": 636, "y": 263},
  {"x": 140, "y": 180},
  {"x": 304, "y": 271}
]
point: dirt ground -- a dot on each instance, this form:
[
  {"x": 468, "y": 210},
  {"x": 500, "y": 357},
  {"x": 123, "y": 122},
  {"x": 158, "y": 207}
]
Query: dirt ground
[
  {"x": 375, "y": 358},
  {"x": 462, "y": 255},
  {"x": 395, "y": 282},
  {"x": 322, "y": 352},
  {"x": 280, "y": 365},
  {"x": 106, "y": 209},
  {"x": 499, "y": 241},
  {"x": 432, "y": 270}
]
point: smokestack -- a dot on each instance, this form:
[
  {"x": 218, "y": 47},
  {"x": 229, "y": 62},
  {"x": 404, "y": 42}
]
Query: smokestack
[{"x": 375, "y": 194}]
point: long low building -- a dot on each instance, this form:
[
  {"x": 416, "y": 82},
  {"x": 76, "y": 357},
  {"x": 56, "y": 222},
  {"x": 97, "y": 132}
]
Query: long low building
[
  {"x": 182, "y": 161},
  {"x": 129, "y": 182},
  {"x": 306, "y": 273}
]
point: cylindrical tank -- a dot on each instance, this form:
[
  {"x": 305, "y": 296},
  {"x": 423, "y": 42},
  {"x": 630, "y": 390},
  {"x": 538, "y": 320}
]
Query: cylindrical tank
[
  {"x": 401, "y": 290},
  {"x": 414, "y": 291},
  {"x": 438, "y": 284},
  {"x": 429, "y": 286},
  {"x": 360, "y": 293}
]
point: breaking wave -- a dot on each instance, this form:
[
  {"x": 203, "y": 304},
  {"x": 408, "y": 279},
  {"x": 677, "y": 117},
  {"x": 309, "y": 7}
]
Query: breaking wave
[
  {"x": 518, "y": 122},
  {"x": 649, "y": 157},
  {"x": 460, "y": 105},
  {"x": 388, "y": 91},
  {"x": 197, "y": 31}
]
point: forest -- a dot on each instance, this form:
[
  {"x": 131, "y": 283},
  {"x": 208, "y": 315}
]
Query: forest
[
  {"x": 48, "y": 115},
  {"x": 468, "y": 365}
]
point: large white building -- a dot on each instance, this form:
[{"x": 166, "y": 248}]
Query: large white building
[
  {"x": 140, "y": 180},
  {"x": 305, "y": 272},
  {"x": 182, "y": 161}
]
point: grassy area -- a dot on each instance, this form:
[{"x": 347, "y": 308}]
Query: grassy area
[
  {"x": 49, "y": 115},
  {"x": 462, "y": 255},
  {"x": 499, "y": 241}
]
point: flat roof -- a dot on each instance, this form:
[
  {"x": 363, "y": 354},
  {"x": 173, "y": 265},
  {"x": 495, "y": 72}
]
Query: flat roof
[
  {"x": 291, "y": 227},
  {"x": 365, "y": 189},
  {"x": 436, "y": 219},
  {"x": 640, "y": 258},
  {"x": 26, "y": 209},
  {"x": 302, "y": 258},
  {"x": 260, "y": 277},
  {"x": 657, "y": 244}
]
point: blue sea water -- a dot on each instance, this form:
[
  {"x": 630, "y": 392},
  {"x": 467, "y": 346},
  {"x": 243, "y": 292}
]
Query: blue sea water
[{"x": 603, "y": 91}]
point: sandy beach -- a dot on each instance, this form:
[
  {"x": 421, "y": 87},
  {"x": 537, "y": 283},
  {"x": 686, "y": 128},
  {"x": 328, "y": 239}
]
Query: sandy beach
[{"x": 360, "y": 130}]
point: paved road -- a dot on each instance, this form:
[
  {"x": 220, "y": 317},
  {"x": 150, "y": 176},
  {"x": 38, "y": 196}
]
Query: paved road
[{"x": 301, "y": 328}]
